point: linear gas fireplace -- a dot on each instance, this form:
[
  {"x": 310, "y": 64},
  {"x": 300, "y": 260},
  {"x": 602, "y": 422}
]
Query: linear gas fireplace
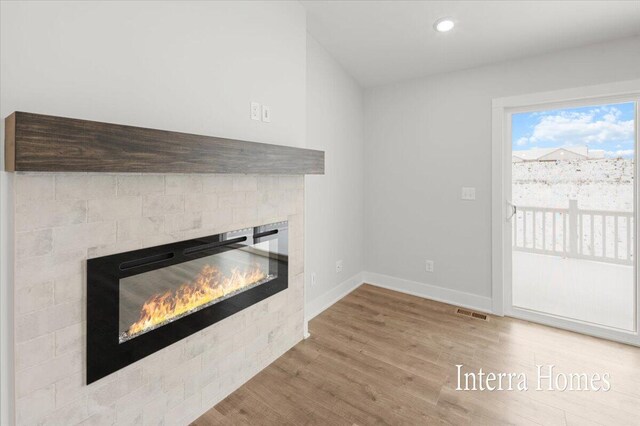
[{"x": 141, "y": 301}]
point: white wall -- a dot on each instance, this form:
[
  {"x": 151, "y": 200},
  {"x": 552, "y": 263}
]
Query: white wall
[
  {"x": 334, "y": 202},
  {"x": 183, "y": 66},
  {"x": 427, "y": 138}
]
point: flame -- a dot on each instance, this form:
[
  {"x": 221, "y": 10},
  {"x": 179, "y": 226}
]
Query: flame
[{"x": 210, "y": 284}]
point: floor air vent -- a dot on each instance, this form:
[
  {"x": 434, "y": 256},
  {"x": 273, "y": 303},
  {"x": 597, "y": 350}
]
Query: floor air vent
[{"x": 471, "y": 314}]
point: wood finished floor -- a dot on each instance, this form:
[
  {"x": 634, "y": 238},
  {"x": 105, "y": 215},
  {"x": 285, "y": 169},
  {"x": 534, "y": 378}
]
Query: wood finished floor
[{"x": 382, "y": 357}]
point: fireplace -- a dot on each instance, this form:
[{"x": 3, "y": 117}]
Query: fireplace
[
  {"x": 141, "y": 301},
  {"x": 86, "y": 189}
]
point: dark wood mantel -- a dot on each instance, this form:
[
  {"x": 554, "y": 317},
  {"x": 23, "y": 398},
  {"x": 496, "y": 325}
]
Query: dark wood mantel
[{"x": 43, "y": 143}]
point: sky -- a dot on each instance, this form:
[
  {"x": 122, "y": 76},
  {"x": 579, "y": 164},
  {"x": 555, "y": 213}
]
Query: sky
[{"x": 609, "y": 127}]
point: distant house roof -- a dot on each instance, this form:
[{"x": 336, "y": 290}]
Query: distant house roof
[
  {"x": 551, "y": 154},
  {"x": 596, "y": 153}
]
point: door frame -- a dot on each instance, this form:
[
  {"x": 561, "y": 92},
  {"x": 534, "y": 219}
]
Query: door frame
[{"x": 502, "y": 108}]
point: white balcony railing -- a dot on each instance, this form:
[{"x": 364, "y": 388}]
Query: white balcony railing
[{"x": 605, "y": 236}]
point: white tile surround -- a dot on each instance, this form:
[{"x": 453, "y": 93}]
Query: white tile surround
[{"x": 62, "y": 219}]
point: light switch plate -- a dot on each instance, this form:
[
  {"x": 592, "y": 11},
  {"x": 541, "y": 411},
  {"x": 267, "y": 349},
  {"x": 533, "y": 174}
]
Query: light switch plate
[
  {"x": 468, "y": 193},
  {"x": 428, "y": 266},
  {"x": 255, "y": 111},
  {"x": 266, "y": 114}
]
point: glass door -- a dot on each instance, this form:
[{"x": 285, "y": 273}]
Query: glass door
[{"x": 573, "y": 225}]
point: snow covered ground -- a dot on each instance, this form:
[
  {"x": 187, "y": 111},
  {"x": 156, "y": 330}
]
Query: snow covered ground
[
  {"x": 595, "y": 292},
  {"x": 605, "y": 184}
]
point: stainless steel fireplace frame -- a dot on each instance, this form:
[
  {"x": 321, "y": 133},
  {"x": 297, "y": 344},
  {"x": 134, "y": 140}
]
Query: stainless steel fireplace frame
[{"x": 105, "y": 353}]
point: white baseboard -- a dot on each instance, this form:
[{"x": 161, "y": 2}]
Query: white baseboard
[
  {"x": 439, "y": 294},
  {"x": 414, "y": 288},
  {"x": 320, "y": 303}
]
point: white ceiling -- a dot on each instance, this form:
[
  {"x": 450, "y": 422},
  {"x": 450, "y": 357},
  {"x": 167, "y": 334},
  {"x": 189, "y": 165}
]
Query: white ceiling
[{"x": 380, "y": 42}]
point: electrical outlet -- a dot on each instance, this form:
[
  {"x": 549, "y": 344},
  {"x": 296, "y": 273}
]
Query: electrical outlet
[
  {"x": 266, "y": 114},
  {"x": 314, "y": 279},
  {"x": 339, "y": 266},
  {"x": 429, "y": 265},
  {"x": 255, "y": 111}
]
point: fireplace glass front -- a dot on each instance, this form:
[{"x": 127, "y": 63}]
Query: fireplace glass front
[
  {"x": 153, "y": 299},
  {"x": 141, "y": 301}
]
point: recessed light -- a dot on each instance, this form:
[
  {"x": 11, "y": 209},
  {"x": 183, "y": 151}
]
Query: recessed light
[{"x": 443, "y": 25}]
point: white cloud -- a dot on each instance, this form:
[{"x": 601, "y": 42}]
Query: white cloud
[
  {"x": 624, "y": 153},
  {"x": 582, "y": 128},
  {"x": 522, "y": 141}
]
